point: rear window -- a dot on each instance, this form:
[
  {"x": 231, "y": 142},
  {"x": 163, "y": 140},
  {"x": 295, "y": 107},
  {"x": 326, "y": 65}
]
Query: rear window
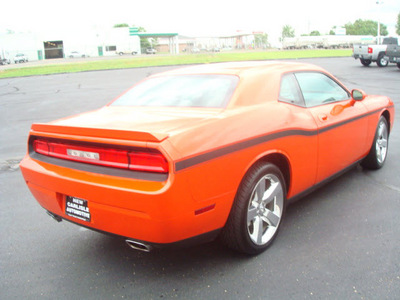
[{"x": 212, "y": 91}]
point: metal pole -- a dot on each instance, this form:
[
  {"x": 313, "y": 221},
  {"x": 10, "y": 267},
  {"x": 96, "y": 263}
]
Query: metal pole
[{"x": 379, "y": 23}]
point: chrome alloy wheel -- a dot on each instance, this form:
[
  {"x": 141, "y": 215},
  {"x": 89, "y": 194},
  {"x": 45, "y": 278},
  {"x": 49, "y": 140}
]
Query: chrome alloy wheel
[
  {"x": 381, "y": 142},
  {"x": 265, "y": 209}
]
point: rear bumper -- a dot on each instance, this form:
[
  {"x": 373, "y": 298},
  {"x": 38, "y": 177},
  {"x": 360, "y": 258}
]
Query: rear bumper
[
  {"x": 195, "y": 240},
  {"x": 158, "y": 213},
  {"x": 362, "y": 56}
]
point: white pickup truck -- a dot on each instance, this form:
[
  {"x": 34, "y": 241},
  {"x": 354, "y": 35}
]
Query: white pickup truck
[{"x": 373, "y": 53}]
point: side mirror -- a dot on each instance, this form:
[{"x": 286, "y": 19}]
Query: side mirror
[{"x": 358, "y": 95}]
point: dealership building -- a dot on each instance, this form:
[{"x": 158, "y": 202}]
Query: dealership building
[
  {"x": 88, "y": 42},
  {"x": 114, "y": 41}
]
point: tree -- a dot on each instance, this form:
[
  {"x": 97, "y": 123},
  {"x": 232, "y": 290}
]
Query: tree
[
  {"x": 261, "y": 40},
  {"x": 365, "y": 27},
  {"x": 398, "y": 24},
  {"x": 121, "y": 25},
  {"x": 287, "y": 31},
  {"x": 315, "y": 33}
]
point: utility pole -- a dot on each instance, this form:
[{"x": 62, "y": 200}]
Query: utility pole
[{"x": 379, "y": 23}]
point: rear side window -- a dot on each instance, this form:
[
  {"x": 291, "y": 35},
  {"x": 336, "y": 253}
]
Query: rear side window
[
  {"x": 290, "y": 91},
  {"x": 212, "y": 91}
]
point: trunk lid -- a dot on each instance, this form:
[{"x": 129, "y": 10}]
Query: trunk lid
[{"x": 147, "y": 124}]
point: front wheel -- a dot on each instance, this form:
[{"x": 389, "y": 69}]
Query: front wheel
[
  {"x": 382, "y": 62},
  {"x": 378, "y": 152},
  {"x": 257, "y": 211}
]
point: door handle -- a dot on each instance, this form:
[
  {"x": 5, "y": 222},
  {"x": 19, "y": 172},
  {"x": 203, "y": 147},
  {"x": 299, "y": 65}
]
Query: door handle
[{"x": 323, "y": 117}]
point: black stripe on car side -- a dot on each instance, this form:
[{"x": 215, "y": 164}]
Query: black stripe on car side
[
  {"x": 327, "y": 128},
  {"x": 180, "y": 165},
  {"x": 190, "y": 162}
]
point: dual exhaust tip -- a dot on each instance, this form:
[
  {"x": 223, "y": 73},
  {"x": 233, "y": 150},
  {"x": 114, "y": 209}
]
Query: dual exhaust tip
[{"x": 132, "y": 244}]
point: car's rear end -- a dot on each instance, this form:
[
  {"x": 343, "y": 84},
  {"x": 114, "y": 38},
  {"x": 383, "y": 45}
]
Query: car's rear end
[
  {"x": 115, "y": 180},
  {"x": 362, "y": 52}
]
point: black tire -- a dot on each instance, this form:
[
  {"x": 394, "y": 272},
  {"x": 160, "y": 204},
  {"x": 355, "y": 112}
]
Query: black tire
[
  {"x": 382, "y": 62},
  {"x": 377, "y": 155},
  {"x": 254, "y": 222},
  {"x": 365, "y": 62},
  {"x": 398, "y": 65}
]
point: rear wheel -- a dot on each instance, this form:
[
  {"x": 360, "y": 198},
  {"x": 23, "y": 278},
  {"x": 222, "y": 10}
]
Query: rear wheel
[
  {"x": 378, "y": 152},
  {"x": 365, "y": 62},
  {"x": 257, "y": 211},
  {"x": 382, "y": 62},
  {"x": 398, "y": 65}
]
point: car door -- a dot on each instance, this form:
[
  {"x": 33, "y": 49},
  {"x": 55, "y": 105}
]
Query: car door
[{"x": 342, "y": 129}]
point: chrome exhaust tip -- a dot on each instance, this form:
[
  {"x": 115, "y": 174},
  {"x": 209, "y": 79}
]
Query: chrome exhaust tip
[
  {"x": 138, "y": 246},
  {"x": 55, "y": 217}
]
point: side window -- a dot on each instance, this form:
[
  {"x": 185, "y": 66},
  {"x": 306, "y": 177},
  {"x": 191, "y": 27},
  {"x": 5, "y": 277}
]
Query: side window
[
  {"x": 289, "y": 91},
  {"x": 317, "y": 89}
]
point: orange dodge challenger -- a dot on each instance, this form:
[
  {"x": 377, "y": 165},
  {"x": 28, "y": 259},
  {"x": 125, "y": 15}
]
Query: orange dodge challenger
[{"x": 205, "y": 151}]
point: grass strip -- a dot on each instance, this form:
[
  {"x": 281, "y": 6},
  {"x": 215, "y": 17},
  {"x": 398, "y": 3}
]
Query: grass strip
[{"x": 161, "y": 60}]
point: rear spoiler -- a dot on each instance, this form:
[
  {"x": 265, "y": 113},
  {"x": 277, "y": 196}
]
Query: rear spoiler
[{"x": 100, "y": 132}]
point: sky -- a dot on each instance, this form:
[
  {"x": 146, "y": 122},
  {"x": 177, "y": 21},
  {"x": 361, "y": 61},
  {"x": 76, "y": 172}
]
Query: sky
[{"x": 195, "y": 18}]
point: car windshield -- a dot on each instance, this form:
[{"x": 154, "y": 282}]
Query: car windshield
[{"x": 212, "y": 91}]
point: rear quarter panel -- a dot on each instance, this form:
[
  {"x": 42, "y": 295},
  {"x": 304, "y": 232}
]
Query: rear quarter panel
[{"x": 220, "y": 153}]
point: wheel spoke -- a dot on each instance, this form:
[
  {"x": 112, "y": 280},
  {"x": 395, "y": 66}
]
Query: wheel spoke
[
  {"x": 260, "y": 190},
  {"x": 271, "y": 218},
  {"x": 251, "y": 214},
  {"x": 382, "y": 130},
  {"x": 258, "y": 230},
  {"x": 273, "y": 191},
  {"x": 383, "y": 143}
]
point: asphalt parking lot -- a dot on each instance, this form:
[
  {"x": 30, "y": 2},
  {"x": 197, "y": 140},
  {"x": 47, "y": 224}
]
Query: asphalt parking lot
[{"x": 340, "y": 242}]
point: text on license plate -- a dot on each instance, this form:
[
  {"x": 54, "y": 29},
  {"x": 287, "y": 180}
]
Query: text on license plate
[{"x": 77, "y": 208}]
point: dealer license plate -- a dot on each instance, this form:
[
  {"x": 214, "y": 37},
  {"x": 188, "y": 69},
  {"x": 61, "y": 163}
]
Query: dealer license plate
[{"x": 77, "y": 208}]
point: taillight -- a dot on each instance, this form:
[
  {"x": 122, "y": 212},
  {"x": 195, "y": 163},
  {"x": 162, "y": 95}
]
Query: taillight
[
  {"x": 147, "y": 161},
  {"x": 370, "y": 50},
  {"x": 143, "y": 160}
]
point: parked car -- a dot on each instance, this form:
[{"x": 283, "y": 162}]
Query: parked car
[
  {"x": 373, "y": 53},
  {"x": 151, "y": 51},
  {"x": 4, "y": 60},
  {"x": 127, "y": 51},
  {"x": 392, "y": 54},
  {"x": 75, "y": 54},
  {"x": 20, "y": 58},
  {"x": 205, "y": 151}
]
